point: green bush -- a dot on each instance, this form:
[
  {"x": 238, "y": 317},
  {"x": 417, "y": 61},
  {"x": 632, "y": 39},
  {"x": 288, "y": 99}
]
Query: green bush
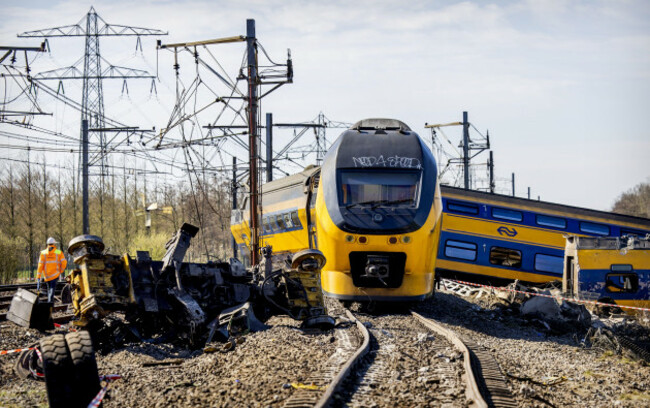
[
  {"x": 154, "y": 243},
  {"x": 10, "y": 251}
]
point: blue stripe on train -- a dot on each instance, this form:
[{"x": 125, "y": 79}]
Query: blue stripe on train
[{"x": 593, "y": 281}]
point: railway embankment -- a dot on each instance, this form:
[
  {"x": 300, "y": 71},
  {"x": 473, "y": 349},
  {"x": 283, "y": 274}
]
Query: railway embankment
[
  {"x": 542, "y": 366},
  {"x": 406, "y": 365}
]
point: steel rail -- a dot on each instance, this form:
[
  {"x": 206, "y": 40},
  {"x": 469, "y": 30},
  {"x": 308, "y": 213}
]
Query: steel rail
[
  {"x": 472, "y": 390},
  {"x": 57, "y": 308},
  {"x": 16, "y": 286},
  {"x": 328, "y": 397}
]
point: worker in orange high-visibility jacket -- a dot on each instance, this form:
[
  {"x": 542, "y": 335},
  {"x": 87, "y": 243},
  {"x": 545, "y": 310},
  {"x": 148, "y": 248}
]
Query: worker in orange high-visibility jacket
[{"x": 51, "y": 265}]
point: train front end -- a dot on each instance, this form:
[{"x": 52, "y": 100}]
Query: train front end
[{"x": 377, "y": 214}]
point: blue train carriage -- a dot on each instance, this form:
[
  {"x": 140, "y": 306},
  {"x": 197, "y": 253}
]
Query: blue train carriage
[
  {"x": 609, "y": 270},
  {"x": 286, "y": 215},
  {"x": 496, "y": 238}
]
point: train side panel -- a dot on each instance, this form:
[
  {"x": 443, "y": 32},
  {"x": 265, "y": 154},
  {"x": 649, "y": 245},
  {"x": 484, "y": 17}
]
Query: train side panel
[
  {"x": 497, "y": 237},
  {"x": 606, "y": 270}
]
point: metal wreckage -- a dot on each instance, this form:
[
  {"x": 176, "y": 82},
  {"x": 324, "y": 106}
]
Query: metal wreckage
[{"x": 191, "y": 304}]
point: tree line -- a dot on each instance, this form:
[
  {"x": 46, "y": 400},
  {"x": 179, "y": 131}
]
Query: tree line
[
  {"x": 635, "y": 201},
  {"x": 41, "y": 201}
]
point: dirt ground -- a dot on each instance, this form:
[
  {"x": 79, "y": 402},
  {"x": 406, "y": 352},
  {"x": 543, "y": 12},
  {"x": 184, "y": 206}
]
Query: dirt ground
[
  {"x": 259, "y": 372},
  {"x": 582, "y": 376}
]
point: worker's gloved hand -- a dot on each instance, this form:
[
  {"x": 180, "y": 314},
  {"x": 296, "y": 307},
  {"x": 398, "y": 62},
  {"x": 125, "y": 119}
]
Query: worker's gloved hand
[{"x": 38, "y": 285}]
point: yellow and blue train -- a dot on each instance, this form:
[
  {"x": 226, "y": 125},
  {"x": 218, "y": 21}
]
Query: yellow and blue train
[
  {"x": 373, "y": 209},
  {"x": 609, "y": 270},
  {"x": 376, "y": 211},
  {"x": 493, "y": 237}
]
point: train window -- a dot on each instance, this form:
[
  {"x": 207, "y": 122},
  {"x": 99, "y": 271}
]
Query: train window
[
  {"x": 460, "y": 250},
  {"x": 287, "y": 220},
  {"x": 622, "y": 282},
  {"x": 510, "y": 215},
  {"x": 549, "y": 263},
  {"x": 267, "y": 227},
  {"x": 505, "y": 257},
  {"x": 621, "y": 268},
  {"x": 593, "y": 228},
  {"x": 548, "y": 221},
  {"x": 379, "y": 188},
  {"x": 295, "y": 219},
  {"x": 464, "y": 208},
  {"x": 625, "y": 231},
  {"x": 280, "y": 221}
]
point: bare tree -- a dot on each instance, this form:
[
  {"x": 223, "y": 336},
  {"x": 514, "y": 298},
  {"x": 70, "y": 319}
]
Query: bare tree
[{"x": 635, "y": 201}]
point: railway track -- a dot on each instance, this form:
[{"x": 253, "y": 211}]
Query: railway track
[
  {"x": 5, "y": 300},
  {"x": 405, "y": 366},
  {"x": 57, "y": 308},
  {"x": 7, "y": 304},
  {"x": 485, "y": 384},
  {"x": 329, "y": 380},
  {"x": 384, "y": 357},
  {"x": 15, "y": 286}
]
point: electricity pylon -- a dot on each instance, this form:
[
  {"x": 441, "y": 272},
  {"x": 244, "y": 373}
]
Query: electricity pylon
[{"x": 93, "y": 75}]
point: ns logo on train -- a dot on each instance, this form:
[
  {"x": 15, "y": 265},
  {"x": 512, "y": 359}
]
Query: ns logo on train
[{"x": 507, "y": 231}]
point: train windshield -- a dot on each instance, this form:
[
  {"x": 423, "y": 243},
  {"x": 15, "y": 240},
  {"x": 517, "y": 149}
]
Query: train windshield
[{"x": 379, "y": 188}]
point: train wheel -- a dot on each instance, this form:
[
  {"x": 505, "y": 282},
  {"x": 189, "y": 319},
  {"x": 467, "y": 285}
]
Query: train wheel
[
  {"x": 85, "y": 375},
  {"x": 58, "y": 368}
]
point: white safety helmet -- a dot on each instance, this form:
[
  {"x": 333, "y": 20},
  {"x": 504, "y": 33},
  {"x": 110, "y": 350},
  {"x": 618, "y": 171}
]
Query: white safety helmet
[{"x": 51, "y": 241}]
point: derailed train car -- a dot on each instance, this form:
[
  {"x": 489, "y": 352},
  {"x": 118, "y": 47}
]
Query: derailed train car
[
  {"x": 496, "y": 238},
  {"x": 373, "y": 209},
  {"x": 608, "y": 270},
  {"x": 170, "y": 300}
]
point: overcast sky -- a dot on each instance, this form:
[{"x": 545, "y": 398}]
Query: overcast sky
[{"x": 562, "y": 86}]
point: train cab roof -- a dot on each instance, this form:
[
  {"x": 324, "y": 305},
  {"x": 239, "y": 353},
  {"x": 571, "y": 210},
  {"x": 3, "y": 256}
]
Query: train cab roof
[
  {"x": 381, "y": 124},
  {"x": 290, "y": 181},
  {"x": 614, "y": 243}
]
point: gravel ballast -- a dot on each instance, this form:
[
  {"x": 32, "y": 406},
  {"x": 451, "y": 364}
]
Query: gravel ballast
[{"x": 260, "y": 371}]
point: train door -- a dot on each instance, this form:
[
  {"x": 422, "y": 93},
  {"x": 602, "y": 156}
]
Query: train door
[
  {"x": 310, "y": 209},
  {"x": 569, "y": 276}
]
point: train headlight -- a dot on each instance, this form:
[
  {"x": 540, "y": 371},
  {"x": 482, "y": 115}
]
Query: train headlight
[
  {"x": 349, "y": 238},
  {"x": 406, "y": 239}
]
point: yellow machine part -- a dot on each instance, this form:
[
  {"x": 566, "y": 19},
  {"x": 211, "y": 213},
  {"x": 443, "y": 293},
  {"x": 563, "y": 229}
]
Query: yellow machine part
[
  {"x": 311, "y": 282},
  {"x": 94, "y": 294}
]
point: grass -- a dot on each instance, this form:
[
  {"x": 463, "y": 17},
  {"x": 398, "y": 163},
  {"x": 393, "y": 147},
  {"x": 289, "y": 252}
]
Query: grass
[{"x": 26, "y": 276}]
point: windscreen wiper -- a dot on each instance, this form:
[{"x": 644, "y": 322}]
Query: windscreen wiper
[
  {"x": 361, "y": 204},
  {"x": 384, "y": 202}
]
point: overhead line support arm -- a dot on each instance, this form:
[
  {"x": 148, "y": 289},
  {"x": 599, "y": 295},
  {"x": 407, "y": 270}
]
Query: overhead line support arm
[{"x": 237, "y": 38}]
